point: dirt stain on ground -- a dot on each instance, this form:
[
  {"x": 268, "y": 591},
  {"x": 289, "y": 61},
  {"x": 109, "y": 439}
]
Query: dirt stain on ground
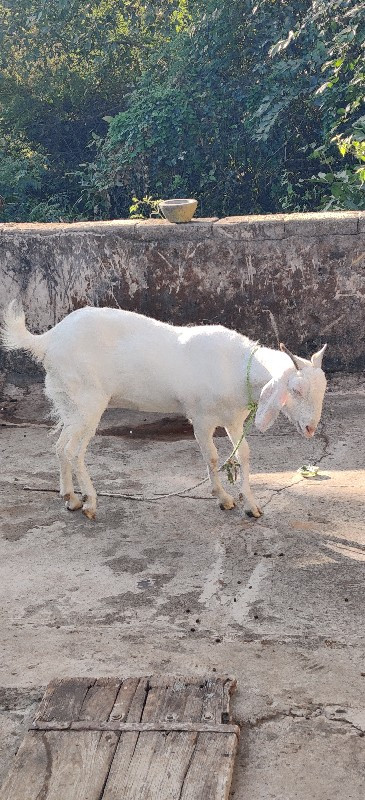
[
  {"x": 166, "y": 429},
  {"x": 123, "y": 564}
]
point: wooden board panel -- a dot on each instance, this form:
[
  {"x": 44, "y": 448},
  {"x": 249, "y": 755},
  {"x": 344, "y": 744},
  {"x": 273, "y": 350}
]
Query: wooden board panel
[
  {"x": 165, "y": 764},
  {"x": 122, "y": 706},
  {"x": 154, "y": 769},
  {"x": 68, "y": 756},
  {"x": 53, "y": 765},
  {"x": 211, "y": 768},
  {"x": 63, "y": 699},
  {"x": 58, "y": 765},
  {"x": 99, "y": 700}
]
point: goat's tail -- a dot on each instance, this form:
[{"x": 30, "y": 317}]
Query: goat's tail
[{"x": 15, "y": 336}]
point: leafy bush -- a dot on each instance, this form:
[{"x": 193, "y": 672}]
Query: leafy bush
[
  {"x": 145, "y": 208},
  {"x": 248, "y": 105}
]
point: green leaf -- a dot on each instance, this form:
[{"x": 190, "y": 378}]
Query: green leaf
[{"x": 323, "y": 88}]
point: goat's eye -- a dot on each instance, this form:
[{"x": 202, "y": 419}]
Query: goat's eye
[{"x": 297, "y": 392}]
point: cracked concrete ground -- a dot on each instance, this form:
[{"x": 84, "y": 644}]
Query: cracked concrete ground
[{"x": 181, "y": 587}]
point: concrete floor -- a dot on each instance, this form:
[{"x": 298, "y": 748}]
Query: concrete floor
[{"x": 181, "y": 587}]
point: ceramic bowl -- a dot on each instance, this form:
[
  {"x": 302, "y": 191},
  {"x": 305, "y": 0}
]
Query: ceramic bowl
[{"x": 179, "y": 210}]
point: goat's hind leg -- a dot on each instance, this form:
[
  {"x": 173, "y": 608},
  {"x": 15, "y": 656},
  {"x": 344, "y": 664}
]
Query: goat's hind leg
[
  {"x": 64, "y": 411},
  {"x": 78, "y": 436},
  {"x": 87, "y": 489},
  {"x": 73, "y": 502},
  {"x": 85, "y": 434},
  {"x": 79, "y": 413}
]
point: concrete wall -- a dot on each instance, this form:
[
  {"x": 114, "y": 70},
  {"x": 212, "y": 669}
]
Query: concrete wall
[{"x": 307, "y": 269}]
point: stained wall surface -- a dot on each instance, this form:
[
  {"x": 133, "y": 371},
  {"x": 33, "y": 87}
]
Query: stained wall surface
[{"x": 308, "y": 270}]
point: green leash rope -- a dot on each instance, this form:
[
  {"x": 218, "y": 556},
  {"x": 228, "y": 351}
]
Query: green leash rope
[
  {"x": 251, "y": 405},
  {"x": 231, "y": 466}
]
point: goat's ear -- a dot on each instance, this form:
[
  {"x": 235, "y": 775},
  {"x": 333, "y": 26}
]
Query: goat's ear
[
  {"x": 317, "y": 357},
  {"x": 272, "y": 398}
]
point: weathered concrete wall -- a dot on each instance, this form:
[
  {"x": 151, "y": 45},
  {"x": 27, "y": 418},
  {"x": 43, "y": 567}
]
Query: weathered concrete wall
[{"x": 307, "y": 269}]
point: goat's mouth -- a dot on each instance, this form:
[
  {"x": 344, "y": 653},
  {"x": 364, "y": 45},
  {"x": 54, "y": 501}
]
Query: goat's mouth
[{"x": 307, "y": 431}]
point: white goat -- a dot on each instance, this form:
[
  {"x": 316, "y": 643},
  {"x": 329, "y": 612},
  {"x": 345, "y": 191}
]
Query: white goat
[{"x": 97, "y": 357}]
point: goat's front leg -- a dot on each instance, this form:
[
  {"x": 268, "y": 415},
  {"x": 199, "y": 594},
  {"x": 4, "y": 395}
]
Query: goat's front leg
[
  {"x": 235, "y": 432},
  {"x": 204, "y": 437}
]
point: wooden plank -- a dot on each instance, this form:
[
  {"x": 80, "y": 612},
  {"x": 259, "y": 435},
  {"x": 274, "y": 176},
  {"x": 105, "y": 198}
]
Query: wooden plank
[
  {"x": 135, "y": 727},
  {"x": 177, "y": 702},
  {"x": 187, "y": 680},
  {"x": 136, "y": 775},
  {"x": 99, "y": 700},
  {"x": 123, "y": 701},
  {"x": 213, "y": 701},
  {"x": 129, "y": 705},
  {"x": 60, "y": 766},
  {"x": 210, "y": 770},
  {"x": 189, "y": 699},
  {"x": 138, "y": 701},
  {"x": 63, "y": 699},
  {"x": 160, "y": 762},
  {"x": 55, "y": 765},
  {"x": 155, "y": 771},
  {"x": 228, "y": 689}
]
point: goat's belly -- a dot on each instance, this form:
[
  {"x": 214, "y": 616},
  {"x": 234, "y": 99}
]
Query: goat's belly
[{"x": 153, "y": 404}]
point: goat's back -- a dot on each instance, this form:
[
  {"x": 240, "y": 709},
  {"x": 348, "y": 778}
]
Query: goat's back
[{"x": 139, "y": 362}]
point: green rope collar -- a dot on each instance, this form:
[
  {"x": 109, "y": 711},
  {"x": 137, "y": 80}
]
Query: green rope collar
[{"x": 251, "y": 405}]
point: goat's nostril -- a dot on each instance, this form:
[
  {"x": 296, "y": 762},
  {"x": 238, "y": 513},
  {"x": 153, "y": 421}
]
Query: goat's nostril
[{"x": 310, "y": 430}]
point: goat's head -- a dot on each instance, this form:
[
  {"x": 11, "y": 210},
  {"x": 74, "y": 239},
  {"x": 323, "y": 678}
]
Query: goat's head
[{"x": 299, "y": 395}]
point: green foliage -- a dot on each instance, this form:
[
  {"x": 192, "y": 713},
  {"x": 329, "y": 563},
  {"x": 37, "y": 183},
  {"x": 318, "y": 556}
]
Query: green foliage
[
  {"x": 248, "y": 105},
  {"x": 22, "y": 171},
  {"x": 145, "y": 208},
  {"x": 315, "y": 99},
  {"x": 64, "y": 66}
]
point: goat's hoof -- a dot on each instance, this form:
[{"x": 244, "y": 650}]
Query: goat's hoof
[
  {"x": 89, "y": 513},
  {"x": 72, "y": 503},
  {"x": 227, "y": 505},
  {"x": 255, "y": 513}
]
